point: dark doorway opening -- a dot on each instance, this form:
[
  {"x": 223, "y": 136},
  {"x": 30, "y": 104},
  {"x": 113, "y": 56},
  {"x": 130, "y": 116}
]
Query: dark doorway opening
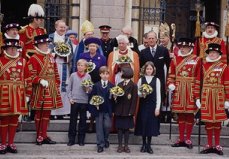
[
  {"x": 212, "y": 10},
  {"x": 16, "y": 10}
]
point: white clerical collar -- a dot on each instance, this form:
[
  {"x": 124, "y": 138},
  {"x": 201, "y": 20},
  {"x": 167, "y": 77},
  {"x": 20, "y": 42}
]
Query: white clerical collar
[
  {"x": 10, "y": 56},
  {"x": 182, "y": 55},
  {"x": 210, "y": 36},
  {"x": 210, "y": 60},
  {"x": 42, "y": 52},
  {"x": 9, "y": 37},
  {"x": 58, "y": 38}
]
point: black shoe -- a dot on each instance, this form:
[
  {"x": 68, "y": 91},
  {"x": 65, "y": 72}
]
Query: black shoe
[
  {"x": 3, "y": 149},
  {"x": 179, "y": 144},
  {"x": 39, "y": 140},
  {"x": 107, "y": 144},
  {"x": 60, "y": 117},
  {"x": 149, "y": 150},
  {"x": 207, "y": 150},
  {"x": 143, "y": 148},
  {"x": 81, "y": 139},
  {"x": 189, "y": 146},
  {"x": 70, "y": 143},
  {"x": 11, "y": 148},
  {"x": 218, "y": 150},
  {"x": 100, "y": 149},
  {"x": 81, "y": 144},
  {"x": 52, "y": 117},
  {"x": 48, "y": 141}
]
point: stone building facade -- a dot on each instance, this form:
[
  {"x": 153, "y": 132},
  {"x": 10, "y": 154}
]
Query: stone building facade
[{"x": 141, "y": 15}]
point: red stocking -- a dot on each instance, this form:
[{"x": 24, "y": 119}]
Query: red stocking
[{"x": 12, "y": 128}]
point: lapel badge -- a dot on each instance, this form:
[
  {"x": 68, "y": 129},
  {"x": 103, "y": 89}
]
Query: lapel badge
[{"x": 129, "y": 96}]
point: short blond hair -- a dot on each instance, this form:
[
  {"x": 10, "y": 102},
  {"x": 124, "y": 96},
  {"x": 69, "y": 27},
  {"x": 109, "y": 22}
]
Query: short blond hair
[{"x": 82, "y": 61}]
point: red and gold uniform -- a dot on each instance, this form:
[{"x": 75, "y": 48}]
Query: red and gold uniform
[
  {"x": 203, "y": 45},
  {"x": 182, "y": 74},
  {"x": 13, "y": 71},
  {"x": 215, "y": 91},
  {"x": 42, "y": 66},
  {"x": 27, "y": 34}
]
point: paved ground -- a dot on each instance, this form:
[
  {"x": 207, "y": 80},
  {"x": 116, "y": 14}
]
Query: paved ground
[{"x": 61, "y": 151}]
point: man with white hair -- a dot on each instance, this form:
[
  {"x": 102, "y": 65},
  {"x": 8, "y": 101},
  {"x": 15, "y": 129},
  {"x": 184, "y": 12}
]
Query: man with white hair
[
  {"x": 133, "y": 43},
  {"x": 27, "y": 33},
  {"x": 122, "y": 51}
]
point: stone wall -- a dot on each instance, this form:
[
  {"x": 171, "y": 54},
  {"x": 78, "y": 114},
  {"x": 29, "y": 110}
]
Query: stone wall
[{"x": 109, "y": 12}]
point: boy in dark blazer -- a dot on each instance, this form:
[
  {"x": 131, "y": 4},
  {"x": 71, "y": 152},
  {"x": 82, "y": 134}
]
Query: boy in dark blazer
[{"x": 104, "y": 113}]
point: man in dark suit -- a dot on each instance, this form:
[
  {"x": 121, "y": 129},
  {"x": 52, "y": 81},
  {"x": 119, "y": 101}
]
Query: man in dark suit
[{"x": 159, "y": 55}]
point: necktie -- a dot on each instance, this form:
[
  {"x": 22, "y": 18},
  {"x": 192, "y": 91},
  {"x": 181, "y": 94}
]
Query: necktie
[
  {"x": 153, "y": 52},
  {"x": 104, "y": 84}
]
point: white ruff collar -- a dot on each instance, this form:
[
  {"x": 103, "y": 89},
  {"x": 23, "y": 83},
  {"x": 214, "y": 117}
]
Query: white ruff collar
[
  {"x": 210, "y": 36},
  {"x": 209, "y": 60},
  {"x": 182, "y": 55},
  {"x": 8, "y": 37},
  {"x": 43, "y": 52},
  {"x": 10, "y": 56}
]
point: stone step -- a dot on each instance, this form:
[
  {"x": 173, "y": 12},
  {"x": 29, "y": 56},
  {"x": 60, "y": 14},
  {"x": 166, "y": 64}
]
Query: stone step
[
  {"x": 163, "y": 139},
  {"x": 61, "y": 151},
  {"x": 62, "y": 126}
]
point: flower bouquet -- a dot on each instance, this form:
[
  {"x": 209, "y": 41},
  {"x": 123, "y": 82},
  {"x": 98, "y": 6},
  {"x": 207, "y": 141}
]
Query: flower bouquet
[
  {"x": 87, "y": 83},
  {"x": 90, "y": 67},
  {"x": 117, "y": 91},
  {"x": 62, "y": 49},
  {"x": 145, "y": 89},
  {"x": 124, "y": 59},
  {"x": 96, "y": 101}
]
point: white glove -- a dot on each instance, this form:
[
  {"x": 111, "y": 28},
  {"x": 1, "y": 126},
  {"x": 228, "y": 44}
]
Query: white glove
[
  {"x": 27, "y": 99},
  {"x": 198, "y": 104},
  {"x": 44, "y": 83},
  {"x": 226, "y": 104},
  {"x": 172, "y": 87}
]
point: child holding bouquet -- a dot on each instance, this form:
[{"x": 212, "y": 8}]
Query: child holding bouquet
[
  {"x": 124, "y": 109},
  {"x": 78, "y": 97},
  {"x": 102, "y": 111},
  {"x": 148, "y": 124}
]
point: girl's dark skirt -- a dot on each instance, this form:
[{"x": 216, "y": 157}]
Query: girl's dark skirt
[{"x": 124, "y": 122}]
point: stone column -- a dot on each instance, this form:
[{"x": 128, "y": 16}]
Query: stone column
[
  {"x": 75, "y": 15},
  {"x": 84, "y": 14},
  {"x": 136, "y": 19},
  {"x": 223, "y": 20},
  {"x": 128, "y": 12}
]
